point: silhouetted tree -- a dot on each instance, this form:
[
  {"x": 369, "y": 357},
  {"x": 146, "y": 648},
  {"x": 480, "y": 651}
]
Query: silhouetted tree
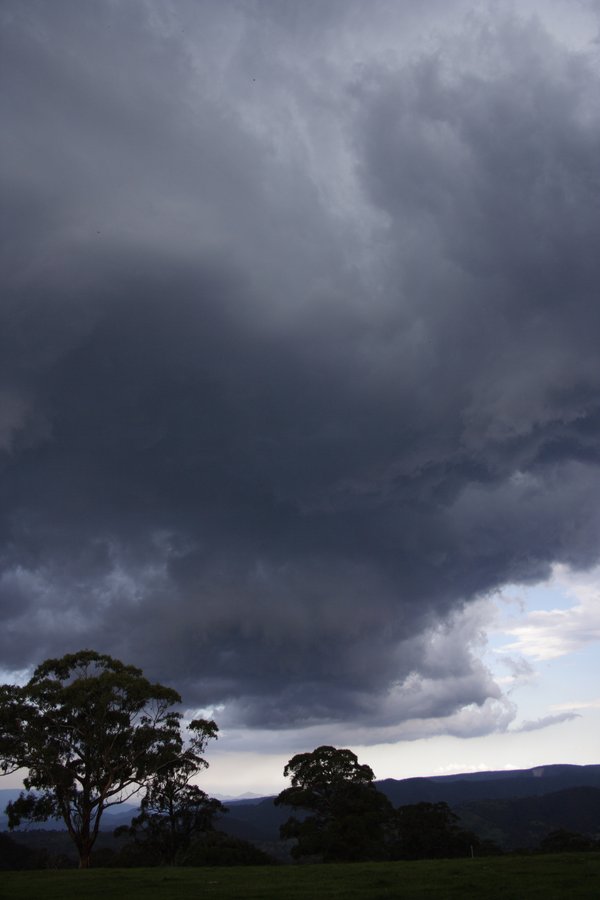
[
  {"x": 91, "y": 732},
  {"x": 214, "y": 848},
  {"x": 172, "y": 809},
  {"x": 346, "y": 817},
  {"x": 18, "y": 856},
  {"x": 170, "y": 818},
  {"x": 564, "y": 841},
  {"x": 432, "y": 831}
]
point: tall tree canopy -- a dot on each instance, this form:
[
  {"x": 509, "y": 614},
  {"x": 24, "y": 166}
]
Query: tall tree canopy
[
  {"x": 91, "y": 732},
  {"x": 345, "y": 816}
]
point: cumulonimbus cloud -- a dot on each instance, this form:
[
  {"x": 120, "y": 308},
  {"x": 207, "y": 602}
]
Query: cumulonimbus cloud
[{"x": 310, "y": 339}]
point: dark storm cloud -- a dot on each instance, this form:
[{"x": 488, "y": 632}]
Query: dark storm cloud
[{"x": 298, "y": 346}]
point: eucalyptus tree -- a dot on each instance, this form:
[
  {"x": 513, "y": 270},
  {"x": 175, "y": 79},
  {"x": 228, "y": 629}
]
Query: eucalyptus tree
[
  {"x": 174, "y": 811},
  {"x": 343, "y": 815},
  {"x": 91, "y": 732}
]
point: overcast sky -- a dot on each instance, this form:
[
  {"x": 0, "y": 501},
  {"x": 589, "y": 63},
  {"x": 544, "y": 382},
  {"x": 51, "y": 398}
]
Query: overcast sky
[{"x": 299, "y": 359}]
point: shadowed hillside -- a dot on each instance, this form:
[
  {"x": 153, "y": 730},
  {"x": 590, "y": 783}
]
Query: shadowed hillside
[
  {"x": 513, "y": 808},
  {"x": 524, "y": 822}
]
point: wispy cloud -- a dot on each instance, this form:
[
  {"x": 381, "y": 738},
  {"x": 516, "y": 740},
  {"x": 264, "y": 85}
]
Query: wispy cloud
[
  {"x": 576, "y": 705},
  {"x": 546, "y": 722}
]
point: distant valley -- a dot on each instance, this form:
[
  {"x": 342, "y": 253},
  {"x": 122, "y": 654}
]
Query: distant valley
[
  {"x": 496, "y": 805},
  {"x": 516, "y": 809}
]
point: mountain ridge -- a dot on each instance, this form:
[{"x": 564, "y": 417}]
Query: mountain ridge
[
  {"x": 260, "y": 821},
  {"x": 485, "y": 799}
]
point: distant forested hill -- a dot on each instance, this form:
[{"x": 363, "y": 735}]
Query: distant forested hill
[
  {"x": 259, "y": 821},
  {"x": 459, "y": 789},
  {"x": 113, "y": 817},
  {"x": 515, "y": 808},
  {"x": 525, "y": 821}
]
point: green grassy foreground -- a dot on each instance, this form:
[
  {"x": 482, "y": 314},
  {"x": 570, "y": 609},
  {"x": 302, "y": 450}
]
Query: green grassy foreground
[{"x": 570, "y": 876}]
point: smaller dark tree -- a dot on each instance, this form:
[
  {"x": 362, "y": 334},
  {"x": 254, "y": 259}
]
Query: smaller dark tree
[
  {"x": 431, "y": 831},
  {"x": 564, "y": 841},
  {"x": 345, "y": 816},
  {"x": 18, "y": 856},
  {"x": 173, "y": 810},
  {"x": 214, "y": 848}
]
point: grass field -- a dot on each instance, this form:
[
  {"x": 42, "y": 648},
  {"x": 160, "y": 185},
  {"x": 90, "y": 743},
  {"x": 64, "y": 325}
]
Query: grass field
[{"x": 569, "y": 876}]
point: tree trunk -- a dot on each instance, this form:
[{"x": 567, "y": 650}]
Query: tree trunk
[{"x": 85, "y": 852}]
